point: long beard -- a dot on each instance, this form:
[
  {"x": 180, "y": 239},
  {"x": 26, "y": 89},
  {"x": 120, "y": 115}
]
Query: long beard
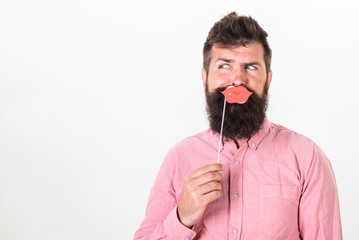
[{"x": 241, "y": 121}]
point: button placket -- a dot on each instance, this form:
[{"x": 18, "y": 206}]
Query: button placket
[{"x": 236, "y": 181}]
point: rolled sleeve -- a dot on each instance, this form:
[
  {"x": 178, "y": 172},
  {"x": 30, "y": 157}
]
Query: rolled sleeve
[{"x": 175, "y": 229}]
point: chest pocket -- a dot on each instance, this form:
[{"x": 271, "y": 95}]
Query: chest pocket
[{"x": 278, "y": 210}]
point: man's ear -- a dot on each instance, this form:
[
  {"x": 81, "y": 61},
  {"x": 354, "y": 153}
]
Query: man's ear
[
  {"x": 204, "y": 78},
  {"x": 270, "y": 74}
]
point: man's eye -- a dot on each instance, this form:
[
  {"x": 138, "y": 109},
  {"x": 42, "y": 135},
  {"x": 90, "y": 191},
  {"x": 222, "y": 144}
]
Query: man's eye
[
  {"x": 251, "y": 67},
  {"x": 224, "y": 66}
]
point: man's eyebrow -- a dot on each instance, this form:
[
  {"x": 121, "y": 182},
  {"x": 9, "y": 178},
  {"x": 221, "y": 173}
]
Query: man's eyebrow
[
  {"x": 225, "y": 60},
  {"x": 253, "y": 63},
  {"x": 228, "y": 60}
]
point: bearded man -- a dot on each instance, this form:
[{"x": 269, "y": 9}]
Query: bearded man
[{"x": 271, "y": 183}]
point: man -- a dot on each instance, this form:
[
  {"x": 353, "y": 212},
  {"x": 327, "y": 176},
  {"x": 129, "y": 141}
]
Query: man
[{"x": 271, "y": 183}]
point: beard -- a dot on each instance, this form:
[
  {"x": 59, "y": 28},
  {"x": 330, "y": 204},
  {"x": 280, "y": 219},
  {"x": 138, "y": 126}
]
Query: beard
[{"x": 241, "y": 121}]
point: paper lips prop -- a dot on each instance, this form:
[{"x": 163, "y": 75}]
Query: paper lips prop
[{"x": 238, "y": 94}]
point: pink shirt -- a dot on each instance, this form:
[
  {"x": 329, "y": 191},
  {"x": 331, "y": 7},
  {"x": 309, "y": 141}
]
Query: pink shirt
[{"x": 277, "y": 185}]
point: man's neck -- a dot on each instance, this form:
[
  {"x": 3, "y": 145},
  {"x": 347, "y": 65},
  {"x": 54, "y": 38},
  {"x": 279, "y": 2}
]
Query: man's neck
[{"x": 239, "y": 142}]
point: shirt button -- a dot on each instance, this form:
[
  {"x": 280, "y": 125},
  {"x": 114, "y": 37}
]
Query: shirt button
[
  {"x": 187, "y": 238},
  {"x": 253, "y": 145},
  {"x": 226, "y": 139},
  {"x": 235, "y": 195},
  {"x": 236, "y": 162},
  {"x": 234, "y": 230}
]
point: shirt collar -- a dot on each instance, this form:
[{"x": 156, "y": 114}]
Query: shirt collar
[{"x": 254, "y": 141}]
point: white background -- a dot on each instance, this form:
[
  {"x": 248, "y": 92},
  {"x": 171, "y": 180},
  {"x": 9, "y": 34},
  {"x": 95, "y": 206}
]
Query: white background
[{"x": 94, "y": 93}]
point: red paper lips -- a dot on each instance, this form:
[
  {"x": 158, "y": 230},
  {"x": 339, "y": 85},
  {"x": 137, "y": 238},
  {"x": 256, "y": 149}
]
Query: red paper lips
[{"x": 238, "y": 94}]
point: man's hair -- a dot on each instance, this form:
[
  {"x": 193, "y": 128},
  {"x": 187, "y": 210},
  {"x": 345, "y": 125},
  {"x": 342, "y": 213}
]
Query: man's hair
[{"x": 234, "y": 31}]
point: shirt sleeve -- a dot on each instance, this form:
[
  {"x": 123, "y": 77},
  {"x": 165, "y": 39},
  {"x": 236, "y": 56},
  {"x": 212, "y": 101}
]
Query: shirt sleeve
[
  {"x": 319, "y": 216},
  {"x": 161, "y": 221}
]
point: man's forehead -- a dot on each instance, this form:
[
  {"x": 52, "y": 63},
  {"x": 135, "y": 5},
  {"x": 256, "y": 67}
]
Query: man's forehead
[{"x": 250, "y": 50}]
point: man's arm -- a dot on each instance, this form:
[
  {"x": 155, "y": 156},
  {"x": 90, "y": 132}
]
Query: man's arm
[
  {"x": 319, "y": 216},
  {"x": 163, "y": 214},
  {"x": 161, "y": 220}
]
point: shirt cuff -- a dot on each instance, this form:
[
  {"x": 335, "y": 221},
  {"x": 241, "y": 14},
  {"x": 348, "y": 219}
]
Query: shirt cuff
[{"x": 175, "y": 229}]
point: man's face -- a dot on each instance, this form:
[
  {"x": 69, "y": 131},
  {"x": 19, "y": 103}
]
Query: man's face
[
  {"x": 243, "y": 65},
  {"x": 237, "y": 66}
]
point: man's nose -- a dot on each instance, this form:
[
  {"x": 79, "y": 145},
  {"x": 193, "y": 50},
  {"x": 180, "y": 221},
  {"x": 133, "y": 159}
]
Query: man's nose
[{"x": 238, "y": 78}]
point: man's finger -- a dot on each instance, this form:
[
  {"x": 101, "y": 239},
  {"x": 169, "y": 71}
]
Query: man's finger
[
  {"x": 211, "y": 196},
  {"x": 210, "y": 187},
  {"x": 208, "y": 177},
  {"x": 214, "y": 167}
]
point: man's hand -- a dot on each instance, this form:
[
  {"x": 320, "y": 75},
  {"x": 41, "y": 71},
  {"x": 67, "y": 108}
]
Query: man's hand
[{"x": 199, "y": 189}]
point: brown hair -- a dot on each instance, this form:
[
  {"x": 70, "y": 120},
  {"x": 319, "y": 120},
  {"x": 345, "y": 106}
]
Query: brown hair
[{"x": 233, "y": 31}]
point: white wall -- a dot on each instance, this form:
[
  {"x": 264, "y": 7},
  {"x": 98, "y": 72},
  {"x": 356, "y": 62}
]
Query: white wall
[{"x": 94, "y": 93}]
